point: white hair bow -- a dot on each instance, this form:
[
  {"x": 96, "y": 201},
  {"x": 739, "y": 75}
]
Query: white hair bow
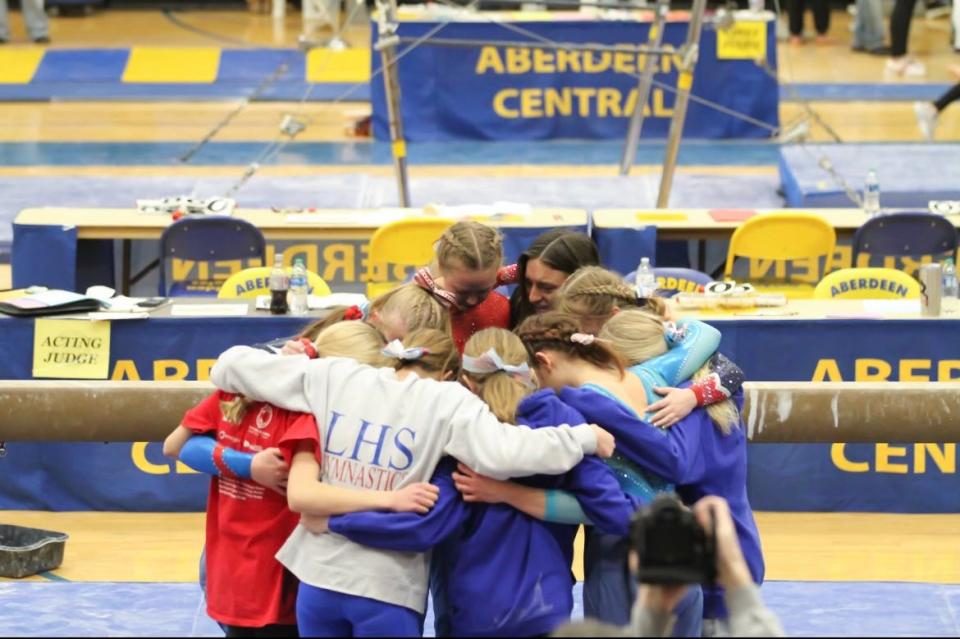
[
  {"x": 397, "y": 350},
  {"x": 586, "y": 339},
  {"x": 491, "y": 362}
]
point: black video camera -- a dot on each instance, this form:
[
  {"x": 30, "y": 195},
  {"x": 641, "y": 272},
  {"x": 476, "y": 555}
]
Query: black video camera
[{"x": 672, "y": 545}]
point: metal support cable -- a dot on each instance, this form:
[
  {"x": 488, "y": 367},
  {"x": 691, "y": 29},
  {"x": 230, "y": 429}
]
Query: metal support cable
[
  {"x": 279, "y": 143},
  {"x": 560, "y": 46}
]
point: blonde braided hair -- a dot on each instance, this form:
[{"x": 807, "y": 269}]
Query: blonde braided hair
[
  {"x": 474, "y": 245},
  {"x": 554, "y": 331},
  {"x": 597, "y": 292}
]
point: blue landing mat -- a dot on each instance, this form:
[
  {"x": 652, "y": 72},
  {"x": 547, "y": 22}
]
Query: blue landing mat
[
  {"x": 159, "y": 609},
  {"x": 715, "y": 153},
  {"x": 874, "y": 92},
  {"x": 910, "y": 174}
]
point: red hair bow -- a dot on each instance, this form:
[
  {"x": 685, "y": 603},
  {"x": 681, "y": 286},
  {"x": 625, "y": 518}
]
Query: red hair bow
[
  {"x": 353, "y": 313},
  {"x": 424, "y": 279}
]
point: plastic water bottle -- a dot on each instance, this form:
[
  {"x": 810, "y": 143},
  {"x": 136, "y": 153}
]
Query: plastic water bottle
[
  {"x": 279, "y": 286},
  {"x": 950, "y": 298},
  {"x": 645, "y": 280},
  {"x": 299, "y": 304},
  {"x": 871, "y": 194}
]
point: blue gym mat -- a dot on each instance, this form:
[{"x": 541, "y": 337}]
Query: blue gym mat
[
  {"x": 872, "y": 92},
  {"x": 910, "y": 174},
  {"x": 363, "y": 153},
  {"x": 357, "y": 190},
  {"x": 810, "y": 609}
]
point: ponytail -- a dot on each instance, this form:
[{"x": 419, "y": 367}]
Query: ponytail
[
  {"x": 495, "y": 360},
  {"x": 427, "y": 348}
]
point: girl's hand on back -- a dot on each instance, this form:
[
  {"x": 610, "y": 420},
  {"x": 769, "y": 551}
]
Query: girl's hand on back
[
  {"x": 293, "y": 347},
  {"x": 415, "y": 498},
  {"x": 676, "y": 404},
  {"x": 605, "y": 442},
  {"x": 478, "y": 488}
]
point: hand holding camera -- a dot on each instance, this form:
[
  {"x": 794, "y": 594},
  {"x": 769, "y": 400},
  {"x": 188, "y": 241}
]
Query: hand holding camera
[{"x": 713, "y": 514}]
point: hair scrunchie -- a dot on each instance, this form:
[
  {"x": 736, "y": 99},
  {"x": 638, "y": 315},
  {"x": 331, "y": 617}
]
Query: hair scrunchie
[
  {"x": 308, "y": 348},
  {"x": 353, "y": 313}
]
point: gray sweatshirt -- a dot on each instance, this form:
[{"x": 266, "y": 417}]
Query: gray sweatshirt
[{"x": 381, "y": 433}]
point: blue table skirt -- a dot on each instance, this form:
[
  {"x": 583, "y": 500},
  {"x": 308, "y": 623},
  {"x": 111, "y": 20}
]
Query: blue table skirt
[
  {"x": 52, "y": 256},
  {"x": 781, "y": 476}
]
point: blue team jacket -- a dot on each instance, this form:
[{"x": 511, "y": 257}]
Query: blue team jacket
[
  {"x": 494, "y": 570},
  {"x": 693, "y": 454}
]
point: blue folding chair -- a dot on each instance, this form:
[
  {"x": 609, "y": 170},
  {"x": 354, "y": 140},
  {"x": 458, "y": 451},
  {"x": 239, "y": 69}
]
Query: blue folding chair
[
  {"x": 905, "y": 235},
  {"x": 673, "y": 280},
  {"x": 207, "y": 238}
]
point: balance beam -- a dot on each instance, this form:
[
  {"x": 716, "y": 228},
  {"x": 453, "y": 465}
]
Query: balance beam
[{"x": 775, "y": 412}]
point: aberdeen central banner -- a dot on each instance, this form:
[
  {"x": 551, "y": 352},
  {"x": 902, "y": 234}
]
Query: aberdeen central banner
[{"x": 500, "y": 92}]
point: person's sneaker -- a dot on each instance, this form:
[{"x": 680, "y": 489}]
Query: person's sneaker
[
  {"x": 926, "y": 118},
  {"x": 42, "y": 40},
  {"x": 905, "y": 67}
]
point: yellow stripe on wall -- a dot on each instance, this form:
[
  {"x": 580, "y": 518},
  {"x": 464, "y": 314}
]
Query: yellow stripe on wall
[
  {"x": 348, "y": 65},
  {"x": 193, "y": 65},
  {"x": 17, "y": 65}
]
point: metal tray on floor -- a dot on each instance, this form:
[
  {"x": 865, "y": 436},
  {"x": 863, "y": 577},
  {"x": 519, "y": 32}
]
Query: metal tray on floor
[{"x": 28, "y": 551}]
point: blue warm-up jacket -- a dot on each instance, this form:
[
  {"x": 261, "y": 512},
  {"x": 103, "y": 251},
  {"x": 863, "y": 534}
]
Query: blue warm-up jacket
[
  {"x": 494, "y": 570},
  {"x": 695, "y": 455}
]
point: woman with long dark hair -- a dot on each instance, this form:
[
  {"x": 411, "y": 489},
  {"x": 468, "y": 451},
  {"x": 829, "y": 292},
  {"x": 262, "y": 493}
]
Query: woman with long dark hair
[{"x": 545, "y": 266}]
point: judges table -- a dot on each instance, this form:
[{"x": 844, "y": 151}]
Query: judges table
[
  {"x": 617, "y": 231},
  {"x": 808, "y": 340},
  {"x": 71, "y": 248}
]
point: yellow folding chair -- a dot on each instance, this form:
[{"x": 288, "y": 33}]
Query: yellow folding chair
[
  {"x": 783, "y": 237},
  {"x": 405, "y": 243},
  {"x": 867, "y": 284},
  {"x": 251, "y": 282}
]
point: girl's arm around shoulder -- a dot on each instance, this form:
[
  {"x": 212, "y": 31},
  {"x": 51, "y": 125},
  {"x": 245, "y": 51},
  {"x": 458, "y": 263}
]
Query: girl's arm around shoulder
[
  {"x": 262, "y": 376},
  {"x": 478, "y": 439}
]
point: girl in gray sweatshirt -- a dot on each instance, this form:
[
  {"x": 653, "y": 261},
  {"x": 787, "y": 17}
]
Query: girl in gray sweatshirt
[{"x": 381, "y": 429}]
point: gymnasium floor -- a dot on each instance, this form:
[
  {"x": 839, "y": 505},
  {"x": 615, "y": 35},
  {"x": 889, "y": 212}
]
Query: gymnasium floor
[{"x": 828, "y": 574}]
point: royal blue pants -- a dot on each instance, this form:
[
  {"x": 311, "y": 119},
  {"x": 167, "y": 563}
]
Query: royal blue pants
[{"x": 325, "y": 613}]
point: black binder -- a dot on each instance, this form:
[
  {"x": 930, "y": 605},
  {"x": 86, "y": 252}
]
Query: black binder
[{"x": 49, "y": 302}]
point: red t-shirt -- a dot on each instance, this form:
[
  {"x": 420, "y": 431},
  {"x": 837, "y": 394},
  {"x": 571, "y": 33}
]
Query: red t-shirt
[
  {"x": 247, "y": 523},
  {"x": 493, "y": 312}
]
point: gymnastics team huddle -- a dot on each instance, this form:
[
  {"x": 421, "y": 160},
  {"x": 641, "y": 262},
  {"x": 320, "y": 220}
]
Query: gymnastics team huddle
[{"x": 447, "y": 439}]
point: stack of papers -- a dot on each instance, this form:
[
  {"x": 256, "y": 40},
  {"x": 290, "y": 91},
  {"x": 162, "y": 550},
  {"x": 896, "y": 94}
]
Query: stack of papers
[
  {"x": 315, "y": 302},
  {"x": 209, "y": 310}
]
